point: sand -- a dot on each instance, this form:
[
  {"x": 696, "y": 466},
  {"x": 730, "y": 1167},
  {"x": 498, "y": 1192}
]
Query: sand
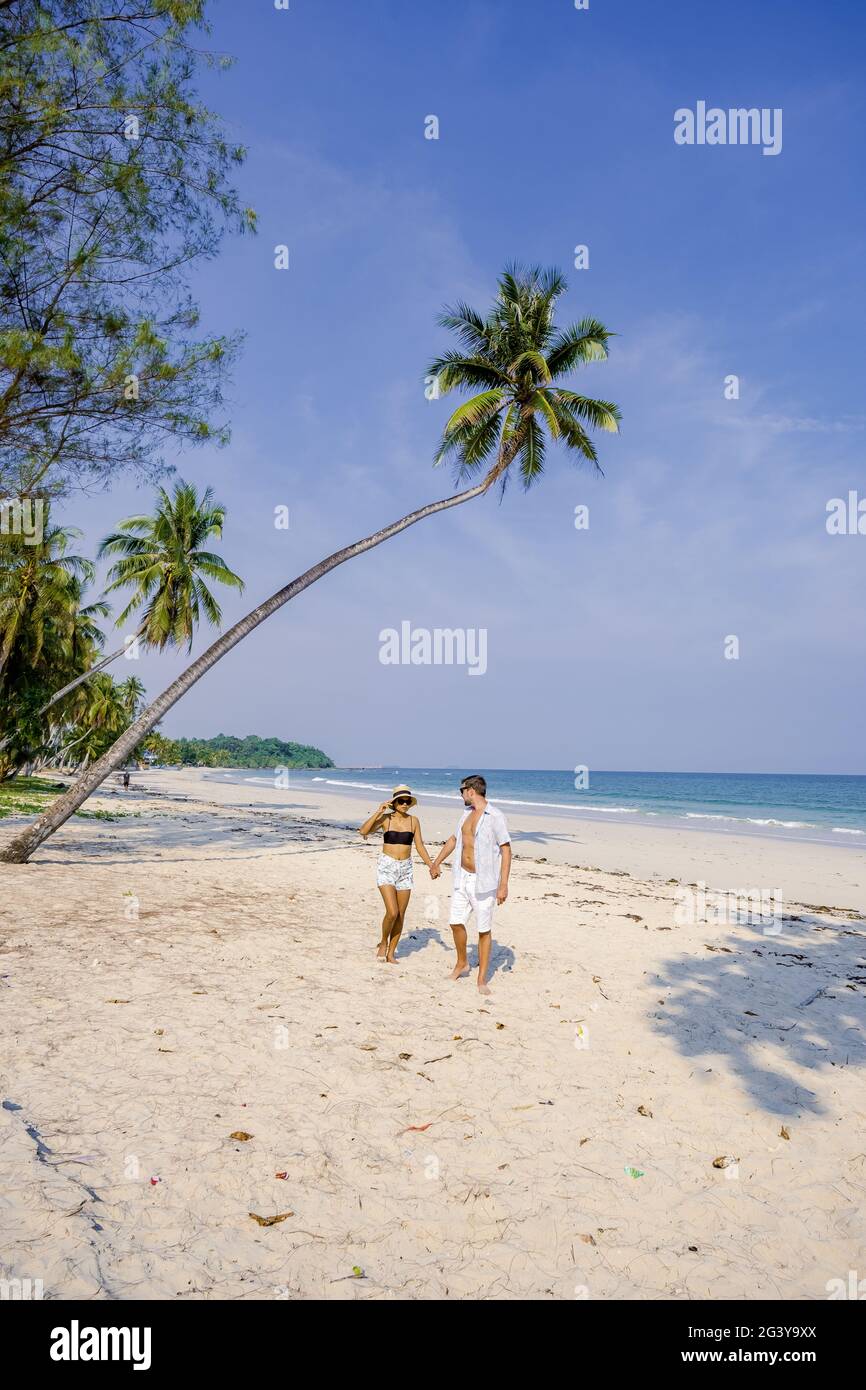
[{"x": 203, "y": 968}]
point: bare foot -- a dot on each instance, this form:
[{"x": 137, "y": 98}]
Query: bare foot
[
  {"x": 458, "y": 972},
  {"x": 392, "y": 960},
  {"x": 381, "y": 952},
  {"x": 483, "y": 988}
]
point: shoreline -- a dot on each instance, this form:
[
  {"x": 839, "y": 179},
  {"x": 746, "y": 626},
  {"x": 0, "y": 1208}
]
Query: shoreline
[
  {"x": 722, "y": 859},
  {"x": 769, "y": 828}
]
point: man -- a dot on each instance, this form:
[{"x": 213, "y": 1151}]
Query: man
[{"x": 480, "y": 873}]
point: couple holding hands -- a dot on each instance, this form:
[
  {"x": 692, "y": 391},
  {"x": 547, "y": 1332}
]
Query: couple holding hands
[{"x": 480, "y": 875}]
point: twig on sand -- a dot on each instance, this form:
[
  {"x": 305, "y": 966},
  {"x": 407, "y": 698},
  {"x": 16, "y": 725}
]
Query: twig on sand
[
  {"x": 419, "y": 1128},
  {"x": 593, "y": 1170},
  {"x": 812, "y": 997}
]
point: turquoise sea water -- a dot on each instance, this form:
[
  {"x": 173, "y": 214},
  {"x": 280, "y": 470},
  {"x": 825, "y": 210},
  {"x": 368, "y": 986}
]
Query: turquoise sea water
[{"x": 791, "y": 806}]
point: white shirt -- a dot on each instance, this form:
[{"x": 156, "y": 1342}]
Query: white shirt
[{"x": 490, "y": 833}]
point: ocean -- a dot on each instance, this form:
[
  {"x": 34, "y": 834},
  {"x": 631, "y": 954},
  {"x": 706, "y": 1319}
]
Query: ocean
[{"x": 788, "y": 806}]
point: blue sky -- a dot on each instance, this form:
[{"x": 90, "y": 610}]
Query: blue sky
[{"x": 605, "y": 646}]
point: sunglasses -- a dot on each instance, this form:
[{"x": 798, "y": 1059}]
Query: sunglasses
[{"x": 401, "y": 801}]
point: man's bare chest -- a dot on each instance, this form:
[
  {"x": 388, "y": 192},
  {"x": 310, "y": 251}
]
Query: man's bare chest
[{"x": 470, "y": 825}]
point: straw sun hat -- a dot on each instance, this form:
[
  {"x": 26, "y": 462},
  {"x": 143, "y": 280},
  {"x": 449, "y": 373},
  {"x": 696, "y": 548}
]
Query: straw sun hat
[{"x": 401, "y": 791}]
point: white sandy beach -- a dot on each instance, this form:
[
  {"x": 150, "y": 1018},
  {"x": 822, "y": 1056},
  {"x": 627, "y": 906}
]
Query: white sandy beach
[{"x": 205, "y": 967}]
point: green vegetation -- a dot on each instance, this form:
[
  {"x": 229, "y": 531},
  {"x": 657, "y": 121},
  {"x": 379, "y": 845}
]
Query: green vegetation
[
  {"x": 27, "y": 796},
  {"x": 162, "y": 559},
  {"x": 514, "y": 359},
  {"x": 227, "y": 751},
  {"x": 114, "y": 181},
  {"x": 162, "y": 562},
  {"x": 58, "y": 707}
]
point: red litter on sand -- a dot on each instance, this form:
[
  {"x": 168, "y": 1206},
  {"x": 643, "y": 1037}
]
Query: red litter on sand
[
  {"x": 281, "y": 1175},
  {"x": 154, "y": 1181},
  {"x": 417, "y": 1129}
]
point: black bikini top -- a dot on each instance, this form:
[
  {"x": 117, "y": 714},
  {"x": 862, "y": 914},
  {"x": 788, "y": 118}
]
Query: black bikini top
[{"x": 398, "y": 837}]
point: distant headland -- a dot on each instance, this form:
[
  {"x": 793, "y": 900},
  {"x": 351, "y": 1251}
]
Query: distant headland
[{"x": 225, "y": 750}]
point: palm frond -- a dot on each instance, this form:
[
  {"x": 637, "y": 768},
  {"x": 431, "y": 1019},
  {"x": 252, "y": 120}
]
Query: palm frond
[
  {"x": 453, "y": 370},
  {"x": 574, "y": 436},
  {"x": 476, "y": 410},
  {"x": 216, "y": 568},
  {"x": 586, "y": 341},
  {"x": 468, "y": 325},
  {"x": 535, "y": 359},
  {"x": 601, "y": 415},
  {"x": 470, "y": 444},
  {"x": 530, "y": 456},
  {"x": 208, "y": 603},
  {"x": 541, "y": 403}
]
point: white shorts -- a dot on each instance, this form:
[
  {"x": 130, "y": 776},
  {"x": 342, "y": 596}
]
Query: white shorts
[
  {"x": 397, "y": 872},
  {"x": 465, "y": 900}
]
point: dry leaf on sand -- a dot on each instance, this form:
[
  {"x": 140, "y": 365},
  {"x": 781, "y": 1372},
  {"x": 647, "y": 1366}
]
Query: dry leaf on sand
[{"x": 271, "y": 1220}]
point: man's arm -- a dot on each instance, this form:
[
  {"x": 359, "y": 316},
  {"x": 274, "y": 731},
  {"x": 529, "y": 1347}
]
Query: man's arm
[
  {"x": 504, "y": 871},
  {"x": 448, "y": 848}
]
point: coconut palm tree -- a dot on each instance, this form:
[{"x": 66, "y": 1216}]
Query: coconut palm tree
[
  {"x": 513, "y": 361},
  {"x": 71, "y": 649},
  {"x": 103, "y": 710},
  {"x": 517, "y": 356},
  {"x": 45, "y": 635},
  {"x": 131, "y": 693},
  {"x": 40, "y": 587},
  {"x": 162, "y": 560},
  {"x": 163, "y": 563}
]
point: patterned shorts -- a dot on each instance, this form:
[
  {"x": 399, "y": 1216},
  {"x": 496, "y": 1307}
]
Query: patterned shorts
[{"x": 397, "y": 872}]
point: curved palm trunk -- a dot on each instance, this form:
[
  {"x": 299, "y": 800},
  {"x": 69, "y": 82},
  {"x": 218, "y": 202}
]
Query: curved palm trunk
[{"x": 21, "y": 848}]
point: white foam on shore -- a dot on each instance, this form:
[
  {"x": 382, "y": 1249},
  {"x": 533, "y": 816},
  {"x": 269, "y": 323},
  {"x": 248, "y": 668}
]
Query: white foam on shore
[
  {"x": 770, "y": 822},
  {"x": 497, "y": 800}
]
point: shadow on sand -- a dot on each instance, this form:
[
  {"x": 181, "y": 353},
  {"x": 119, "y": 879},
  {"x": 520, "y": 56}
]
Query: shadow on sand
[
  {"x": 770, "y": 1006},
  {"x": 502, "y": 957}
]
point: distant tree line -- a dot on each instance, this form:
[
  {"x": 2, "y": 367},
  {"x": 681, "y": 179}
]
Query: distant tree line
[{"x": 227, "y": 751}]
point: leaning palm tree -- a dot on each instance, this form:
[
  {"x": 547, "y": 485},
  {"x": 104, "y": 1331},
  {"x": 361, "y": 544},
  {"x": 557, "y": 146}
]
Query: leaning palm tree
[
  {"x": 517, "y": 357},
  {"x": 162, "y": 561}
]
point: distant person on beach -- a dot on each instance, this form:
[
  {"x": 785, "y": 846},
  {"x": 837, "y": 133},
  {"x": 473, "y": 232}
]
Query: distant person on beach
[
  {"x": 480, "y": 877},
  {"x": 394, "y": 869},
  {"x": 126, "y": 781}
]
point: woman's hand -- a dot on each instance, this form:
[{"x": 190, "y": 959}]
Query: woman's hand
[
  {"x": 374, "y": 821},
  {"x": 435, "y": 871}
]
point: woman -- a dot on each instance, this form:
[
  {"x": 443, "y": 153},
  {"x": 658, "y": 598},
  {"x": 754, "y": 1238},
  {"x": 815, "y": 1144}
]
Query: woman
[{"x": 394, "y": 870}]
